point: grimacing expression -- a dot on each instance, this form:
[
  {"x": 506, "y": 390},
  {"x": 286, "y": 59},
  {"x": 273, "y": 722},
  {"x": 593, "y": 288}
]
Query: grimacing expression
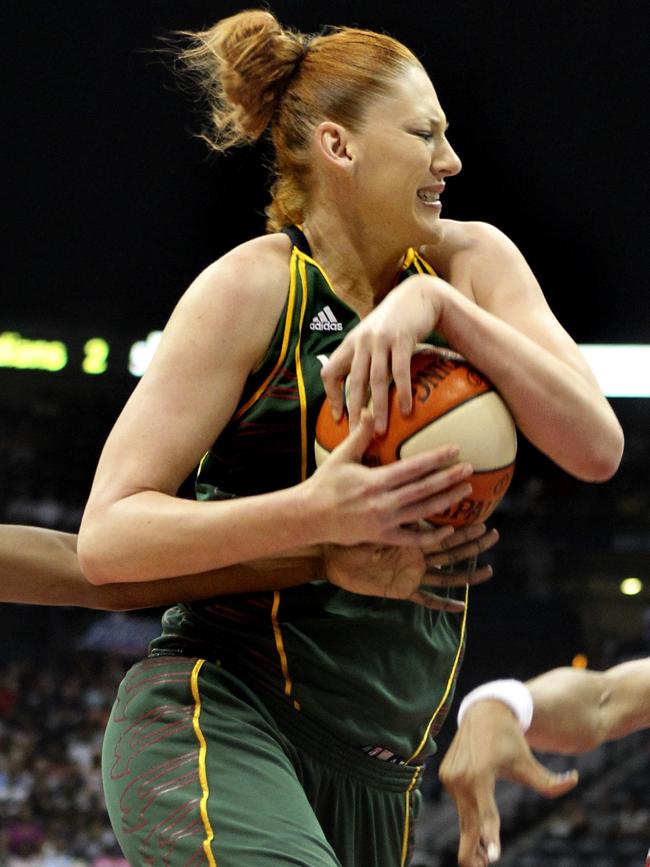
[{"x": 403, "y": 158}]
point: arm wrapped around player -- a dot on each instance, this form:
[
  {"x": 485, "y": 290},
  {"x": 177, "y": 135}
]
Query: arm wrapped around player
[{"x": 410, "y": 572}]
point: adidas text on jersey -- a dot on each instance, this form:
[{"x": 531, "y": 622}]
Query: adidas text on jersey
[{"x": 325, "y": 320}]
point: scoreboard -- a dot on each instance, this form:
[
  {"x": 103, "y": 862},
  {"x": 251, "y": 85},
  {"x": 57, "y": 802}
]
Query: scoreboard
[
  {"x": 622, "y": 370},
  {"x": 75, "y": 353}
]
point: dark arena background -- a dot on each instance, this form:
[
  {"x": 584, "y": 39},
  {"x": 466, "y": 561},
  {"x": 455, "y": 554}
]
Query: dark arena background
[{"x": 112, "y": 206}]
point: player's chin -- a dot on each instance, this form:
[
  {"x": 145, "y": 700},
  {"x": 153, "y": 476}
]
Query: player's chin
[{"x": 430, "y": 229}]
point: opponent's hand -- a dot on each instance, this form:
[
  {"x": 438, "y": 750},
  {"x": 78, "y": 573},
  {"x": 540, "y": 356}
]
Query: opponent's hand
[
  {"x": 384, "y": 505},
  {"x": 490, "y": 744},
  {"x": 407, "y": 573},
  {"x": 465, "y": 544},
  {"x": 379, "y": 350},
  {"x": 389, "y": 572}
]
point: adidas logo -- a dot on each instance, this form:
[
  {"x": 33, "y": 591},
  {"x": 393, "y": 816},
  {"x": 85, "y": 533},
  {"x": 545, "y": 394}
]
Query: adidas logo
[{"x": 325, "y": 320}]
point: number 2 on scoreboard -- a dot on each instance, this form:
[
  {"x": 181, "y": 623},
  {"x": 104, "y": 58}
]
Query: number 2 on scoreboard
[{"x": 95, "y": 355}]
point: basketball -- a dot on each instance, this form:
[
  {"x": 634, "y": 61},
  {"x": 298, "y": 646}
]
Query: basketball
[{"x": 452, "y": 403}]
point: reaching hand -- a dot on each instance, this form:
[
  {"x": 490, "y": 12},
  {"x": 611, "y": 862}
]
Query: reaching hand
[
  {"x": 379, "y": 349},
  {"x": 490, "y": 744},
  {"x": 463, "y": 545},
  {"x": 407, "y": 573}
]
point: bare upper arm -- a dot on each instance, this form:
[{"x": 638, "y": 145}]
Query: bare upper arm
[{"x": 216, "y": 335}]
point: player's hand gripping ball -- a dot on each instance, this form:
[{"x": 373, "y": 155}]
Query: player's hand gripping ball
[{"x": 452, "y": 403}]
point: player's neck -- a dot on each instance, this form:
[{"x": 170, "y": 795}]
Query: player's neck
[{"x": 357, "y": 260}]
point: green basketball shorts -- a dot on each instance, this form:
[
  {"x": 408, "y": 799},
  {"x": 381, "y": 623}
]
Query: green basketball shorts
[{"x": 198, "y": 770}]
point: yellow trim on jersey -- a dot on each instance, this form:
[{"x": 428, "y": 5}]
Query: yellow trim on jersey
[
  {"x": 306, "y": 258},
  {"x": 202, "y": 461},
  {"x": 285, "y": 339},
  {"x": 279, "y": 645},
  {"x": 421, "y": 262},
  {"x": 302, "y": 392},
  {"x": 412, "y": 258},
  {"x": 408, "y": 259},
  {"x": 450, "y": 681},
  {"x": 203, "y": 777},
  {"x": 407, "y": 817}
]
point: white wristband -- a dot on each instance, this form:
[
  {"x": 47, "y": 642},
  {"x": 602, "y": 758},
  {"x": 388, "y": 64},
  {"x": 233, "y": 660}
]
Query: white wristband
[{"x": 514, "y": 693}]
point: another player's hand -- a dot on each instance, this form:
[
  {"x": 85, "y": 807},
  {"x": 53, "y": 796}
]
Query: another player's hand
[
  {"x": 379, "y": 350},
  {"x": 490, "y": 744},
  {"x": 385, "y": 505},
  {"x": 458, "y": 550},
  {"x": 408, "y": 573}
]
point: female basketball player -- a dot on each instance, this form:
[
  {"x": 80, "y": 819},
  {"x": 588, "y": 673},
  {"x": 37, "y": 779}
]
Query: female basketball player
[{"x": 287, "y": 726}]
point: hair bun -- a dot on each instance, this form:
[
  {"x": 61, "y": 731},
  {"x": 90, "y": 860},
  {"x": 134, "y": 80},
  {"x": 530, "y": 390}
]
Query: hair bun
[{"x": 248, "y": 59}]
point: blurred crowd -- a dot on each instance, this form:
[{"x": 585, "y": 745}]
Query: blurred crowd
[
  {"x": 52, "y": 814},
  {"x": 52, "y": 716}
]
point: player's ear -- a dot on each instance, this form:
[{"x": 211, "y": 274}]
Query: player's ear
[{"x": 333, "y": 143}]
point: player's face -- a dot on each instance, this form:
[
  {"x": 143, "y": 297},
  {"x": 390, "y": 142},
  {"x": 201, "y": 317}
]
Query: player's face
[{"x": 404, "y": 158}]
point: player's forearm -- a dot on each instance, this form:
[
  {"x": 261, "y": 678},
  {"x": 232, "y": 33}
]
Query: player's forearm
[
  {"x": 555, "y": 406},
  {"x": 576, "y": 710},
  {"x": 40, "y": 567},
  {"x": 566, "y": 711},
  {"x": 150, "y": 535},
  {"x": 625, "y": 699},
  {"x": 573, "y": 710},
  {"x": 255, "y": 577}
]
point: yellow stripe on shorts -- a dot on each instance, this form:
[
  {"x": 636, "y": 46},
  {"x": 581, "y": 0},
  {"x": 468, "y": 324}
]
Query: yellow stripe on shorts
[{"x": 203, "y": 776}]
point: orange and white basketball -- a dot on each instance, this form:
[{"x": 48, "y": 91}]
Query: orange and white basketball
[{"x": 452, "y": 403}]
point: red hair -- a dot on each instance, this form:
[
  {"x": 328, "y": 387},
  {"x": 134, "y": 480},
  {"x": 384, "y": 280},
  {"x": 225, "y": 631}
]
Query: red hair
[{"x": 257, "y": 74}]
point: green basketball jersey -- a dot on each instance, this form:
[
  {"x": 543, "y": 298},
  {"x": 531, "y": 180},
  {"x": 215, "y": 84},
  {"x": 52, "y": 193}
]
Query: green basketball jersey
[{"x": 371, "y": 670}]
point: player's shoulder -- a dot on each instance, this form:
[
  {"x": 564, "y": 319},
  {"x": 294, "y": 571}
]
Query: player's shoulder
[
  {"x": 466, "y": 239},
  {"x": 241, "y": 293},
  {"x": 257, "y": 269}
]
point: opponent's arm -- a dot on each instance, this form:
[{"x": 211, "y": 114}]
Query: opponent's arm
[
  {"x": 576, "y": 710},
  {"x": 573, "y": 711},
  {"x": 40, "y": 567}
]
